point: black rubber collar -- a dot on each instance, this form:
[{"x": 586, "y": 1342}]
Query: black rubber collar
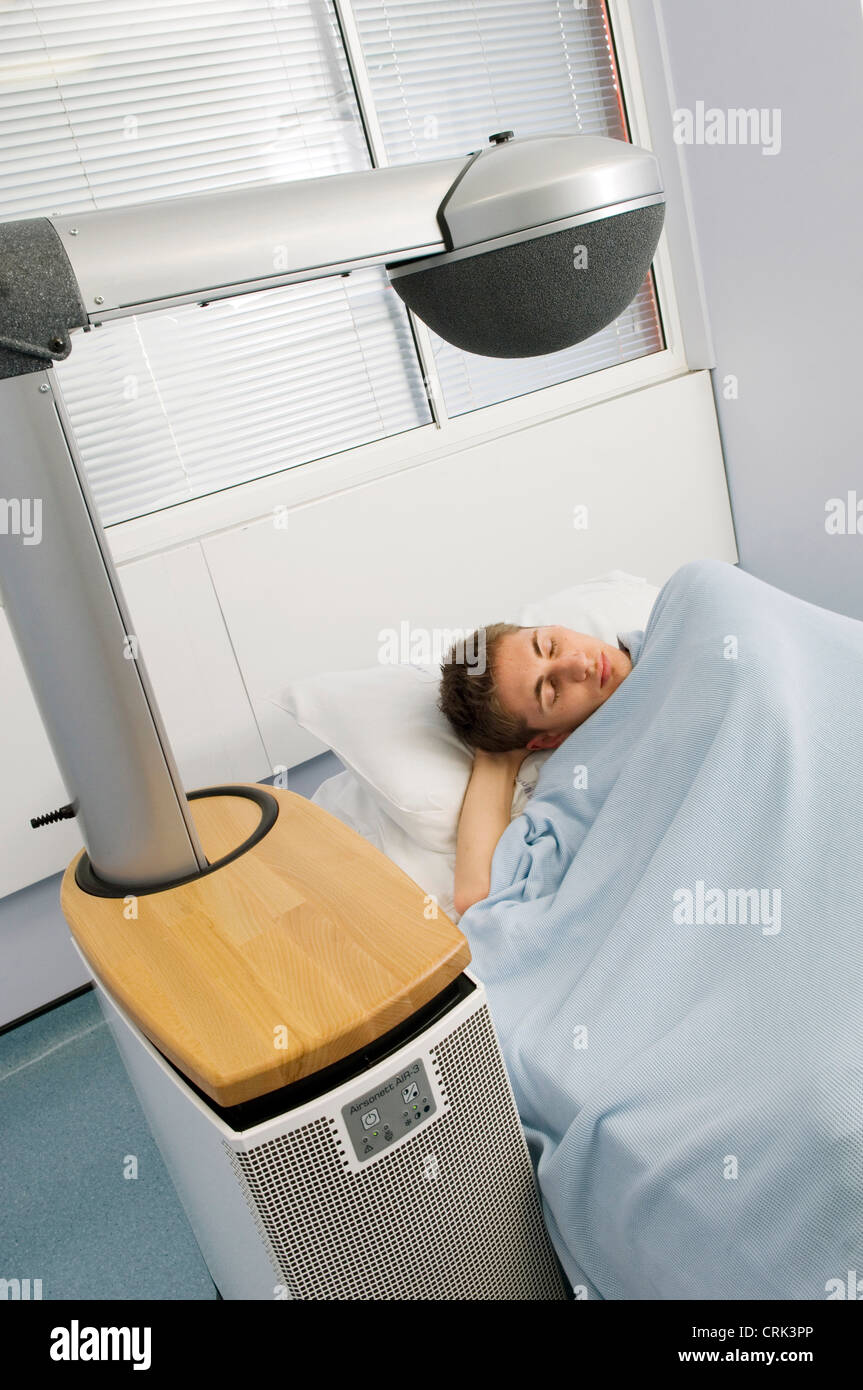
[{"x": 89, "y": 882}]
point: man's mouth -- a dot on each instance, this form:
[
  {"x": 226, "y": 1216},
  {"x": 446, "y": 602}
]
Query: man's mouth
[{"x": 605, "y": 669}]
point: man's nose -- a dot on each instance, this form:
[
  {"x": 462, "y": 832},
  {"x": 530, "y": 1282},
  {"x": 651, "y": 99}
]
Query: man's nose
[{"x": 575, "y": 665}]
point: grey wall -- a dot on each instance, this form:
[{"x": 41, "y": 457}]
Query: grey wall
[{"x": 780, "y": 240}]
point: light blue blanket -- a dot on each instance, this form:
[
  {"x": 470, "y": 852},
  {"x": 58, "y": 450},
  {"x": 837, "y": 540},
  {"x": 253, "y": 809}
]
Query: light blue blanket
[{"x": 673, "y": 953}]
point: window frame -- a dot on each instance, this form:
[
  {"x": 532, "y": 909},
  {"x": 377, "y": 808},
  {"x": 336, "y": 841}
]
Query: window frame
[{"x": 243, "y": 503}]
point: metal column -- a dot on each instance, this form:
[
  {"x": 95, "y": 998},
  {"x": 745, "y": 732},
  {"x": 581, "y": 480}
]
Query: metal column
[{"x": 73, "y": 629}]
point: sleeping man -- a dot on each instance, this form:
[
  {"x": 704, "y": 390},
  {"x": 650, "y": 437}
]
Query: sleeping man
[
  {"x": 535, "y": 686},
  {"x": 648, "y": 1006}
]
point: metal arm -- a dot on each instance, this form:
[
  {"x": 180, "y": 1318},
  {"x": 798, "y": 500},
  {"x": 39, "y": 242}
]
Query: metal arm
[{"x": 211, "y": 245}]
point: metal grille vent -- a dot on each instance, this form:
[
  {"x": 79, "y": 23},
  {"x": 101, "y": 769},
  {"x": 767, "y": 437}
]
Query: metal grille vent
[{"x": 452, "y": 1214}]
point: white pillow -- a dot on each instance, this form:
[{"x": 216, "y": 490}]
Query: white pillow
[
  {"x": 384, "y": 724},
  {"x": 603, "y": 607}
]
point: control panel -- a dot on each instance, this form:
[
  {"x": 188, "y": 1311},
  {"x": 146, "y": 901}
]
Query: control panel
[{"x": 392, "y": 1109}]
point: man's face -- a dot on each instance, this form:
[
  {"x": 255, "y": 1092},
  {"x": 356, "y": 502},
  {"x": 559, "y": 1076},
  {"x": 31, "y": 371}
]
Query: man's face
[{"x": 554, "y": 678}]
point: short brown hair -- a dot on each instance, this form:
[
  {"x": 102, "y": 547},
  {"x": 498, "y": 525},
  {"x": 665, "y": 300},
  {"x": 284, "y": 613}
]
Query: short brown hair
[{"x": 469, "y": 698}]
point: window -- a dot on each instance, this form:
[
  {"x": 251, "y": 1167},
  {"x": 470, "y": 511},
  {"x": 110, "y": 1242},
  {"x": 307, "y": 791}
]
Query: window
[{"x": 107, "y": 103}]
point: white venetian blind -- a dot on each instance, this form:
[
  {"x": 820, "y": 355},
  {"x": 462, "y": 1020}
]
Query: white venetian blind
[
  {"x": 169, "y": 406},
  {"x": 446, "y": 74},
  {"x": 110, "y": 102}
]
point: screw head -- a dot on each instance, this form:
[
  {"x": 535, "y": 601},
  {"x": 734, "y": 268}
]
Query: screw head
[
  {"x": 98, "y": 299},
  {"x": 44, "y": 387},
  {"x": 73, "y": 231}
]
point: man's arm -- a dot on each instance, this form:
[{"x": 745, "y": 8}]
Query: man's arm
[{"x": 486, "y": 812}]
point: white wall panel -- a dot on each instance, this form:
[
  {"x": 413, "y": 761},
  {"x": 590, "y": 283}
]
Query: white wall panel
[{"x": 198, "y": 685}]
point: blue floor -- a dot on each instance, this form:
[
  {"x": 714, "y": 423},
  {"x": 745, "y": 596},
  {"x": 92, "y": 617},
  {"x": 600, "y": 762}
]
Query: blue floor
[
  {"x": 69, "y": 1123},
  {"x": 69, "y": 1120}
]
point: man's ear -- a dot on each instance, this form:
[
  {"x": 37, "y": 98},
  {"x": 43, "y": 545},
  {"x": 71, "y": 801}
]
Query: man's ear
[{"x": 544, "y": 741}]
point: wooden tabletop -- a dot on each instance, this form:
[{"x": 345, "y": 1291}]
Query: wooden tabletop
[{"x": 304, "y": 949}]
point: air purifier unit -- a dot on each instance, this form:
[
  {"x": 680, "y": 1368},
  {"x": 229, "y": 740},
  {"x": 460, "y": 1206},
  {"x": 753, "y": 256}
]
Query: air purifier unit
[{"x": 319, "y": 1069}]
